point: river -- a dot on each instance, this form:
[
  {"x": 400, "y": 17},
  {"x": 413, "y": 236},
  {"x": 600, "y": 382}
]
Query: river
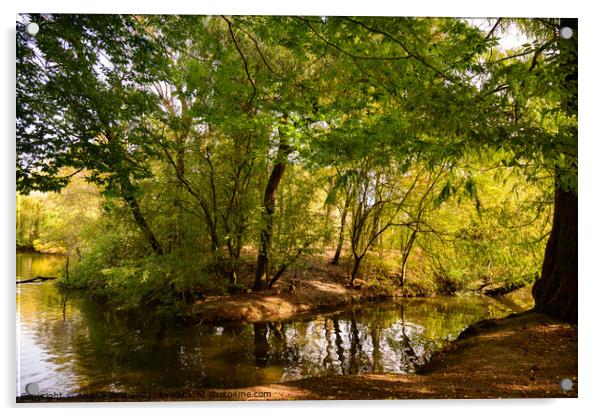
[{"x": 69, "y": 345}]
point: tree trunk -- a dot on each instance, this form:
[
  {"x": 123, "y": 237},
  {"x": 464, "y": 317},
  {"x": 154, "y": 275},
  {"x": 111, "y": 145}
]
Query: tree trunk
[
  {"x": 356, "y": 269},
  {"x": 67, "y": 268},
  {"x": 269, "y": 207},
  {"x": 555, "y": 293},
  {"x": 337, "y": 254},
  {"x": 127, "y": 190},
  {"x": 406, "y": 255},
  {"x": 178, "y": 203}
]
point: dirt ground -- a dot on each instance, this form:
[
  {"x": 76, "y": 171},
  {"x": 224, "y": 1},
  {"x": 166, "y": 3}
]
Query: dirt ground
[{"x": 321, "y": 285}]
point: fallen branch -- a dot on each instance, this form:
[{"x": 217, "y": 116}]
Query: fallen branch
[
  {"x": 501, "y": 290},
  {"x": 36, "y": 279}
]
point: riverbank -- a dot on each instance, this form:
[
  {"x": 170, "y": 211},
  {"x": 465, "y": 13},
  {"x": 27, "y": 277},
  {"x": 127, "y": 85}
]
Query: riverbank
[
  {"x": 33, "y": 250},
  {"x": 321, "y": 286}
]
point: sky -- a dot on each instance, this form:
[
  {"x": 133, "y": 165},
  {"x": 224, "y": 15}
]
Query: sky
[{"x": 509, "y": 38}]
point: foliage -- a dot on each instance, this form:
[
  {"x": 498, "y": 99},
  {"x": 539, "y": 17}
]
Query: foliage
[{"x": 197, "y": 140}]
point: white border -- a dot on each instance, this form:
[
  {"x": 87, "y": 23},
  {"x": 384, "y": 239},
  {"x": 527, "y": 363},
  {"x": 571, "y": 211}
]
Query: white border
[{"x": 589, "y": 194}]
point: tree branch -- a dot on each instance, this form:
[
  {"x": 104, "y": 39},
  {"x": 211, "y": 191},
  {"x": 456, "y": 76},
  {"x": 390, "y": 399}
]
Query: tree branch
[
  {"x": 343, "y": 51},
  {"x": 404, "y": 47},
  {"x": 246, "y": 65}
]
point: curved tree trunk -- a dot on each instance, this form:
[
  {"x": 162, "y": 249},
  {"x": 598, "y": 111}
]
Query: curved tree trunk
[
  {"x": 128, "y": 193},
  {"x": 269, "y": 206},
  {"x": 407, "y": 249}
]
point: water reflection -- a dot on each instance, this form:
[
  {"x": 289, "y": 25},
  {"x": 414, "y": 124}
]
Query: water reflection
[
  {"x": 31, "y": 264},
  {"x": 261, "y": 348},
  {"x": 70, "y": 345}
]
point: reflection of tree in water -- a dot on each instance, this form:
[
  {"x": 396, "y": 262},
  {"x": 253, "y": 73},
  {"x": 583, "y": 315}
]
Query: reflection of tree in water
[
  {"x": 355, "y": 348},
  {"x": 350, "y": 342},
  {"x": 375, "y": 333},
  {"x": 328, "y": 361},
  {"x": 261, "y": 349},
  {"x": 408, "y": 355},
  {"x": 338, "y": 341},
  {"x": 100, "y": 349}
]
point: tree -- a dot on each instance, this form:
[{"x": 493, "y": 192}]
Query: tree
[
  {"x": 268, "y": 209},
  {"x": 500, "y": 101},
  {"x": 555, "y": 292},
  {"x": 81, "y": 102},
  {"x": 213, "y": 135}
]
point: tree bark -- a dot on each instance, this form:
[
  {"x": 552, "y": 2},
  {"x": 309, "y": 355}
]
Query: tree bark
[
  {"x": 37, "y": 279},
  {"x": 178, "y": 202},
  {"x": 406, "y": 255},
  {"x": 127, "y": 190},
  {"x": 269, "y": 207},
  {"x": 337, "y": 254},
  {"x": 356, "y": 268},
  {"x": 67, "y": 268},
  {"x": 555, "y": 293}
]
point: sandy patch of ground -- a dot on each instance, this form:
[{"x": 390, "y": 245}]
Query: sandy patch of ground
[
  {"x": 277, "y": 304},
  {"x": 322, "y": 286}
]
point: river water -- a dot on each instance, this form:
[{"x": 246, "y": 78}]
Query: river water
[{"x": 68, "y": 345}]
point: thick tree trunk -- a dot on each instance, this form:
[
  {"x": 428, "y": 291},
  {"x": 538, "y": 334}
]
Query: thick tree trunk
[
  {"x": 269, "y": 207},
  {"x": 555, "y": 293}
]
